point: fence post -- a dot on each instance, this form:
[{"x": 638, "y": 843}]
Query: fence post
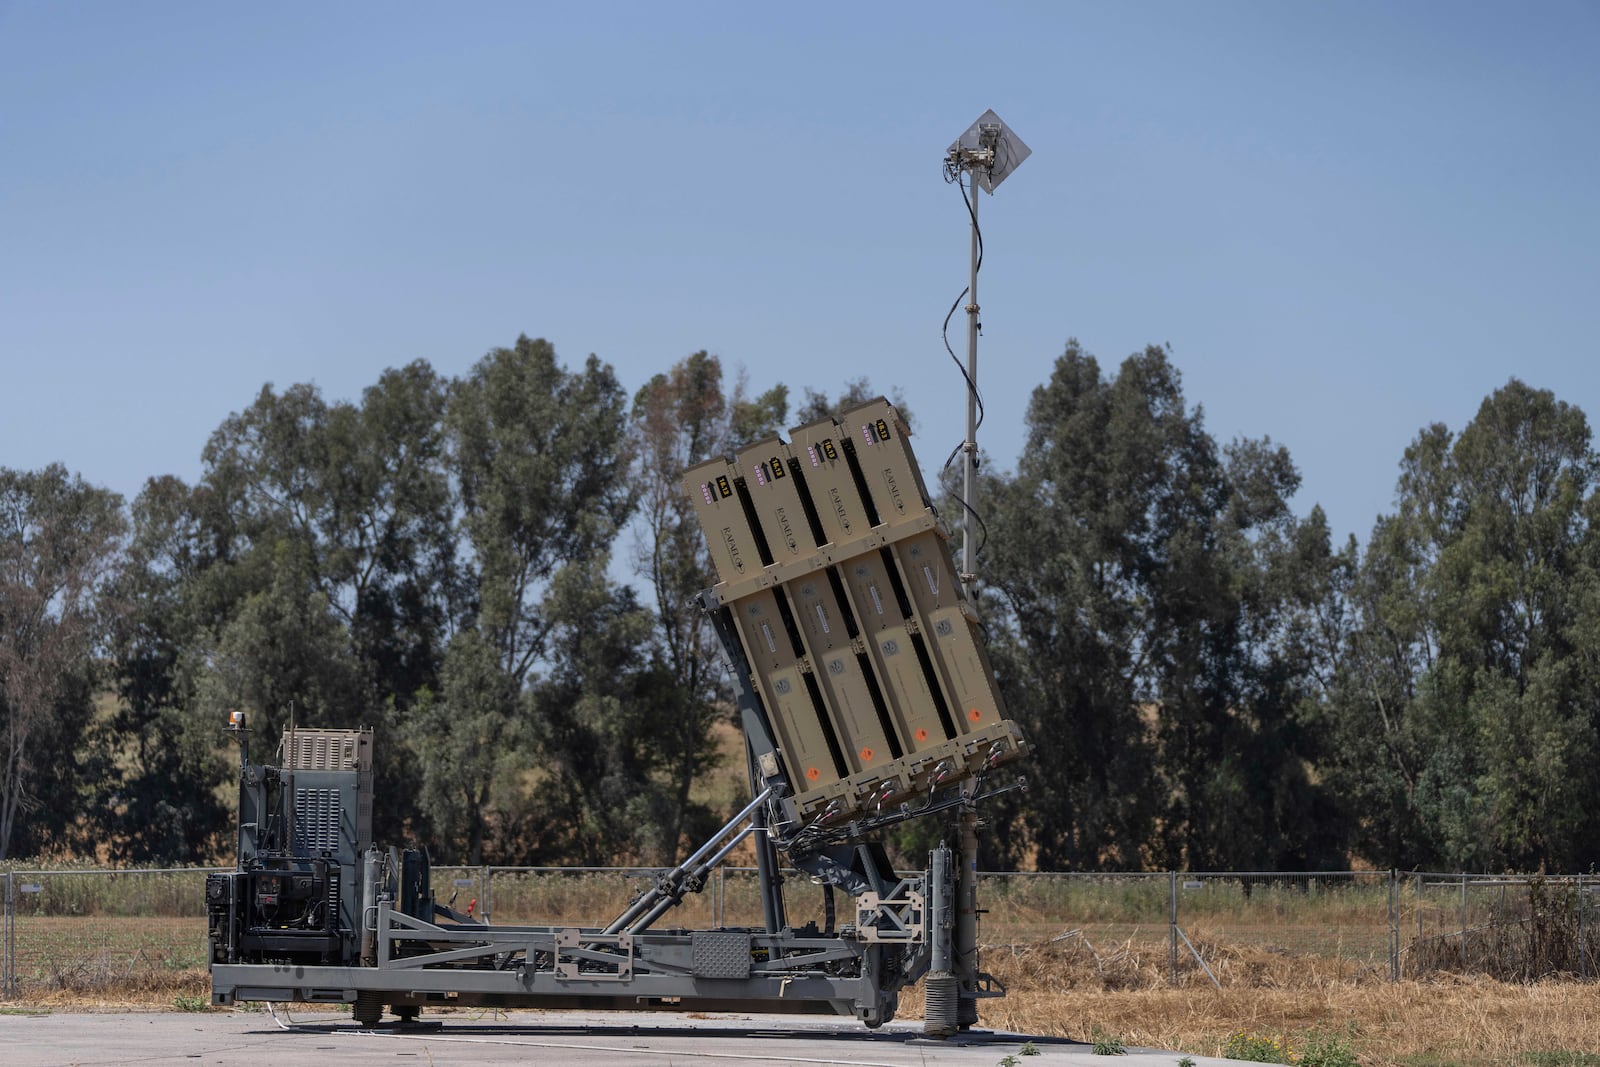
[
  {"x": 1416, "y": 965},
  {"x": 1583, "y": 930},
  {"x": 487, "y": 911},
  {"x": 1394, "y": 924},
  {"x": 8, "y": 978},
  {"x": 1172, "y": 925},
  {"x": 1463, "y": 922}
]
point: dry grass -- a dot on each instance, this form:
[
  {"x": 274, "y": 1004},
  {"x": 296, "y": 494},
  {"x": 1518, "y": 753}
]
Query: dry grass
[
  {"x": 148, "y": 991},
  {"x": 88, "y": 955},
  {"x": 1069, "y": 985},
  {"x": 1058, "y": 989},
  {"x": 1069, "y": 988}
]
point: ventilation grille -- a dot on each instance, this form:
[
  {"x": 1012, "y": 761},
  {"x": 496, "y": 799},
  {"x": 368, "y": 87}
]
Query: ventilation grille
[
  {"x": 327, "y": 750},
  {"x": 316, "y": 820}
]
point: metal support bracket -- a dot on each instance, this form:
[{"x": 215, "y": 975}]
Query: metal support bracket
[
  {"x": 590, "y": 957},
  {"x": 899, "y": 918}
]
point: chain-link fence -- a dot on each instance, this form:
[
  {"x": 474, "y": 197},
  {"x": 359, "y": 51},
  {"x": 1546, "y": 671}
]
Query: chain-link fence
[
  {"x": 93, "y": 931},
  {"x": 1344, "y": 914},
  {"x": 1519, "y": 928},
  {"x": 85, "y": 931}
]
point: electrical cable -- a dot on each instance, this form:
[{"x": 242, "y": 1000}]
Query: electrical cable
[
  {"x": 972, "y": 386},
  {"x": 953, "y": 175},
  {"x": 983, "y": 527}
]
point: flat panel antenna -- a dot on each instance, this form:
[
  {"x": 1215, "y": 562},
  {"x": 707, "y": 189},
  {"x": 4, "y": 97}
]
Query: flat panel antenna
[{"x": 988, "y": 151}]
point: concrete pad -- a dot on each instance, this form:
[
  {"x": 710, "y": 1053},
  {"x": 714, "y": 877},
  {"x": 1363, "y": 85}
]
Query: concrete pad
[{"x": 574, "y": 1039}]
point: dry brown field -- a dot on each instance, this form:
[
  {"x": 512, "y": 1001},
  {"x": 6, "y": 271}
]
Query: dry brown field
[
  {"x": 1058, "y": 988},
  {"x": 1288, "y": 962},
  {"x": 1063, "y": 986}
]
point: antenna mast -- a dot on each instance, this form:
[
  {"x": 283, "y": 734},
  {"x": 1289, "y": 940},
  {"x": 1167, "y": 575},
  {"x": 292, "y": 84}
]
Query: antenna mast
[{"x": 989, "y": 151}]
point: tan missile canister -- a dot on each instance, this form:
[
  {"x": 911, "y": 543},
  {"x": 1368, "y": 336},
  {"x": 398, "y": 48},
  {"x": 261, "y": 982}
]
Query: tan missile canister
[{"x": 863, "y": 651}]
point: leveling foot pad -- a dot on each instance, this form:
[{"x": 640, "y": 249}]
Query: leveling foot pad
[
  {"x": 965, "y": 1037},
  {"x": 405, "y": 1026}
]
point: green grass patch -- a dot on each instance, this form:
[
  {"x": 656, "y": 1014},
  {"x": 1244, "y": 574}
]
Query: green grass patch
[
  {"x": 1107, "y": 1045},
  {"x": 1325, "y": 1048},
  {"x": 1258, "y": 1048}
]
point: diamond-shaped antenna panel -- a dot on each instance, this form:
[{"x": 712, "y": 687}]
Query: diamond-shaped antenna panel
[{"x": 1009, "y": 151}]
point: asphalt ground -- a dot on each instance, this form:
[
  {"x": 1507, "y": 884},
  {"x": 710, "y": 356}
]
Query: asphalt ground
[{"x": 571, "y": 1039}]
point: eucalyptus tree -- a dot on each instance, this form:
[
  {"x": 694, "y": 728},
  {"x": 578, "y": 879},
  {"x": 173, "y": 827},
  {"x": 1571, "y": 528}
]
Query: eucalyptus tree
[
  {"x": 1146, "y": 585},
  {"x": 539, "y": 455},
  {"x": 681, "y": 418},
  {"x": 60, "y": 543},
  {"x": 161, "y": 803},
  {"x": 1469, "y": 709},
  {"x": 605, "y": 720},
  {"x": 353, "y": 505},
  {"x": 309, "y": 575}
]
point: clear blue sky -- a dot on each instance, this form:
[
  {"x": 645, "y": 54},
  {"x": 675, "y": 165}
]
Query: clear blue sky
[{"x": 1348, "y": 220}]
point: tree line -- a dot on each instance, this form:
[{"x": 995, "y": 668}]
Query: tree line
[{"x": 1208, "y": 680}]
